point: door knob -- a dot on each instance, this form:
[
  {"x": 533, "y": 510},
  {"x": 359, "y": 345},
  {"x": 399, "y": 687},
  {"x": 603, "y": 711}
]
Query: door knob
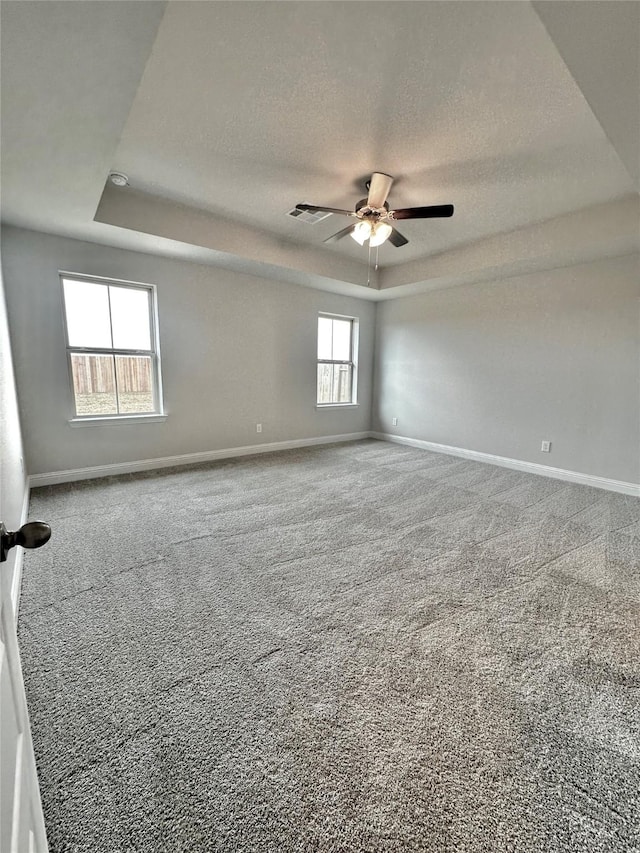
[{"x": 31, "y": 535}]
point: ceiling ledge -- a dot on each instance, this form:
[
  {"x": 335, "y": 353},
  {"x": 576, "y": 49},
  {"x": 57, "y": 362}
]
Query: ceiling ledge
[
  {"x": 600, "y": 231},
  {"x": 492, "y": 274},
  {"x": 608, "y": 32},
  {"x": 64, "y": 108},
  {"x": 232, "y": 244}
]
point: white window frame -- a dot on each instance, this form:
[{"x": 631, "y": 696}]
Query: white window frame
[
  {"x": 158, "y": 414},
  {"x": 355, "y": 326}
]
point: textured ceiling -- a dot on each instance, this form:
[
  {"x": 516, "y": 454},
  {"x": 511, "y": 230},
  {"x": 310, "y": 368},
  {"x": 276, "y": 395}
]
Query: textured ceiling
[
  {"x": 226, "y": 114},
  {"x": 247, "y": 108}
]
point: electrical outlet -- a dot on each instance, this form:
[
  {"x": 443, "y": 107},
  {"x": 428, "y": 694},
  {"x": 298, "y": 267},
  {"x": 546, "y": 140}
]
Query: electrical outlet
[
  {"x": 546, "y": 447},
  {"x": 258, "y": 427},
  {"x": 394, "y": 421}
]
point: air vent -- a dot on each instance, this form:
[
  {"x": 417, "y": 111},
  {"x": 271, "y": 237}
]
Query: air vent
[{"x": 305, "y": 216}]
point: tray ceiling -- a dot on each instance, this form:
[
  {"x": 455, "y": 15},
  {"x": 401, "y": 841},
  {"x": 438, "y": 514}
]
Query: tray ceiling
[{"x": 224, "y": 115}]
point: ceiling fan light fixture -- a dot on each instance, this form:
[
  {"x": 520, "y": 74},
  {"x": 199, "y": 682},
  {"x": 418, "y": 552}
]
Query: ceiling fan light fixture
[
  {"x": 372, "y": 214},
  {"x": 379, "y": 233},
  {"x": 361, "y": 232}
]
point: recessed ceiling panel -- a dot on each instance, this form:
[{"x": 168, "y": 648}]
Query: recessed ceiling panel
[{"x": 247, "y": 108}]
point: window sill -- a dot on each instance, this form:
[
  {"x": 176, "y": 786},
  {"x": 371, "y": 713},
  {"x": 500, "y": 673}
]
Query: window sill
[
  {"x": 337, "y": 405},
  {"x": 117, "y": 419}
]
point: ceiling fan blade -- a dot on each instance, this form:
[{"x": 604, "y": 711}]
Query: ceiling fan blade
[
  {"x": 397, "y": 239},
  {"x": 435, "y": 210},
  {"x": 312, "y": 208},
  {"x": 335, "y": 237},
  {"x": 379, "y": 187}
]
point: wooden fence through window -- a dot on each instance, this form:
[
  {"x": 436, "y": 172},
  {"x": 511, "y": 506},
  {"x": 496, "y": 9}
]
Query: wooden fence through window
[{"x": 94, "y": 374}]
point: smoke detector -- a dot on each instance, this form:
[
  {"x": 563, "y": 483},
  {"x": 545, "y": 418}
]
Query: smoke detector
[{"x": 118, "y": 179}]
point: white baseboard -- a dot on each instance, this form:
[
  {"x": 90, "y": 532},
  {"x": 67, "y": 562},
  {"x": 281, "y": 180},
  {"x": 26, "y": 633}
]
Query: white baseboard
[
  {"x": 72, "y": 475},
  {"x": 505, "y": 462},
  {"x": 54, "y": 477},
  {"x": 16, "y": 581}
]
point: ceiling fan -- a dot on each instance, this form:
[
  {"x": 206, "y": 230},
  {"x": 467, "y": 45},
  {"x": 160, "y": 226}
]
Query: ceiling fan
[{"x": 373, "y": 215}]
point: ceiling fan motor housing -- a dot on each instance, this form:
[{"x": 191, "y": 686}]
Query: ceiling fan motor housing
[{"x": 363, "y": 211}]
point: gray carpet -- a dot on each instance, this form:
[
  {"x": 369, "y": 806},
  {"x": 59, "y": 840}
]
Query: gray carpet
[{"x": 357, "y": 647}]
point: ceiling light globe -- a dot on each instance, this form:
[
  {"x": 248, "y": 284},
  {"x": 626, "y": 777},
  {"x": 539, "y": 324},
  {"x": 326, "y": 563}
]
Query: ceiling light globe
[
  {"x": 380, "y": 233},
  {"x": 361, "y": 232}
]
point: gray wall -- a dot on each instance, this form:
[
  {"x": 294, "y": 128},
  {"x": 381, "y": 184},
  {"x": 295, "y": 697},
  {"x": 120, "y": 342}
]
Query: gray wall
[
  {"x": 236, "y": 350},
  {"x": 12, "y": 477},
  {"x": 493, "y": 367},
  {"x": 499, "y": 367}
]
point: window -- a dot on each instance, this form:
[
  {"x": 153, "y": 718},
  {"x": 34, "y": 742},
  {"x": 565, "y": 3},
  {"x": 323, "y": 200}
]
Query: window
[
  {"x": 336, "y": 360},
  {"x": 112, "y": 347}
]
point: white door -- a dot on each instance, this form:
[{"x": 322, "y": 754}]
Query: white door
[{"x": 21, "y": 821}]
